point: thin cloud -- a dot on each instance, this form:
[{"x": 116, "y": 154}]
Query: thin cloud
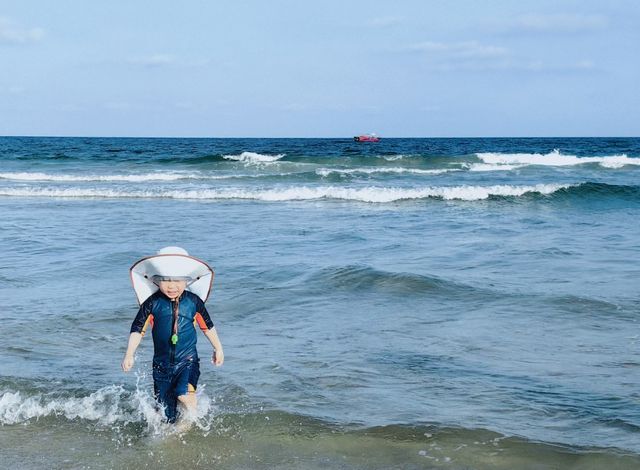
[
  {"x": 156, "y": 60},
  {"x": 512, "y": 65},
  {"x": 13, "y": 33},
  {"x": 312, "y": 107},
  {"x": 459, "y": 50},
  {"x": 558, "y": 23},
  {"x": 118, "y": 106},
  {"x": 167, "y": 60},
  {"x": 465, "y": 55},
  {"x": 386, "y": 21},
  {"x": 473, "y": 56},
  {"x": 539, "y": 66}
]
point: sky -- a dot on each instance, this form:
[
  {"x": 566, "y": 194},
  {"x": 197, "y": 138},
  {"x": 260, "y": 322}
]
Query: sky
[{"x": 331, "y": 68}]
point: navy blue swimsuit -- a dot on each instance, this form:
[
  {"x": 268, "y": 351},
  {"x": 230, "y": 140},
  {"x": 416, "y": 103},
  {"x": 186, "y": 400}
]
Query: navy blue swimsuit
[{"x": 175, "y": 366}]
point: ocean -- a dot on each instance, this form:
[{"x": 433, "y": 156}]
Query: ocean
[{"x": 408, "y": 304}]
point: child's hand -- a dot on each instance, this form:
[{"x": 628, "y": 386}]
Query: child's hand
[
  {"x": 127, "y": 363},
  {"x": 217, "y": 359}
]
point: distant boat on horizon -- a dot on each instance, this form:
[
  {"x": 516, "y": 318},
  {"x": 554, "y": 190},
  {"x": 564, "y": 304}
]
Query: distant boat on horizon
[{"x": 367, "y": 138}]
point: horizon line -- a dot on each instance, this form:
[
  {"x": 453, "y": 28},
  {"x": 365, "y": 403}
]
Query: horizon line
[{"x": 324, "y": 137}]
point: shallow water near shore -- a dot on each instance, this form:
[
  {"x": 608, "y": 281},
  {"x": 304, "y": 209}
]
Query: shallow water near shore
[{"x": 419, "y": 303}]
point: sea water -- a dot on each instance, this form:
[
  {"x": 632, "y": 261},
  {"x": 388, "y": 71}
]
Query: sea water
[{"x": 415, "y": 303}]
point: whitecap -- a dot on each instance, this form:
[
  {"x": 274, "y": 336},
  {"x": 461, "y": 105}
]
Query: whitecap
[
  {"x": 369, "y": 171},
  {"x": 479, "y": 167},
  {"x": 131, "y": 178},
  {"x": 298, "y": 193},
  {"x": 555, "y": 158},
  {"x": 254, "y": 158}
]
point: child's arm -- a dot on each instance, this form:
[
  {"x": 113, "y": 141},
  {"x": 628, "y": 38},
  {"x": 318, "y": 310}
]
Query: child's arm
[
  {"x": 138, "y": 328},
  {"x": 134, "y": 342},
  {"x": 206, "y": 325},
  {"x": 218, "y": 354}
]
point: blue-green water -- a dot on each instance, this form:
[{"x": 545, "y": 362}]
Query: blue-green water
[{"x": 416, "y": 303}]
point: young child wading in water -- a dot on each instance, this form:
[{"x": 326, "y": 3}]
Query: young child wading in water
[{"x": 172, "y": 288}]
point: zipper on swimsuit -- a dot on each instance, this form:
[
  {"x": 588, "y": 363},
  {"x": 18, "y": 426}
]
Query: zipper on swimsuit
[{"x": 174, "y": 337}]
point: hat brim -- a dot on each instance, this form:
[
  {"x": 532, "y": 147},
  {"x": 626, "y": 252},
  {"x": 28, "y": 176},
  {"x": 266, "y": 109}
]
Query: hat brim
[{"x": 171, "y": 266}]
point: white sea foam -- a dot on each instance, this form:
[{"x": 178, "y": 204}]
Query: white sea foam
[
  {"x": 393, "y": 158},
  {"x": 555, "y": 158},
  {"x": 369, "y": 171},
  {"x": 102, "y": 405},
  {"x": 132, "y": 178},
  {"x": 254, "y": 158},
  {"x": 486, "y": 167},
  {"x": 297, "y": 193},
  {"x": 106, "y": 406}
]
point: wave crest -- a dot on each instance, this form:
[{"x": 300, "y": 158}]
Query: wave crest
[
  {"x": 370, "y": 171},
  {"x": 364, "y": 278},
  {"x": 132, "y": 178},
  {"x": 555, "y": 158},
  {"x": 254, "y": 158},
  {"x": 370, "y": 194}
]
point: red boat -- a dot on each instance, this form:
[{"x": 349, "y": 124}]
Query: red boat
[{"x": 367, "y": 138}]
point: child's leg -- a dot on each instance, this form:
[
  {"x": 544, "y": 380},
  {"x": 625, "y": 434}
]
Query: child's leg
[
  {"x": 186, "y": 385},
  {"x": 163, "y": 392},
  {"x": 189, "y": 401}
]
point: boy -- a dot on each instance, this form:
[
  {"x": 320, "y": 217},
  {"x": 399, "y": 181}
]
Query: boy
[{"x": 172, "y": 288}]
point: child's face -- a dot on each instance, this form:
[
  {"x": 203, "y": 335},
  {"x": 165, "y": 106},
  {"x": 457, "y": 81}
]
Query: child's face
[{"x": 172, "y": 289}]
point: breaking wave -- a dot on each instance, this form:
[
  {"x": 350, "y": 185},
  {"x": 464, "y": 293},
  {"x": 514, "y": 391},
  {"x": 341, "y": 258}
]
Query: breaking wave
[
  {"x": 132, "y": 178},
  {"x": 254, "y": 158},
  {"x": 135, "y": 178},
  {"x": 486, "y": 167},
  {"x": 554, "y": 158},
  {"x": 370, "y": 194},
  {"x": 370, "y": 171}
]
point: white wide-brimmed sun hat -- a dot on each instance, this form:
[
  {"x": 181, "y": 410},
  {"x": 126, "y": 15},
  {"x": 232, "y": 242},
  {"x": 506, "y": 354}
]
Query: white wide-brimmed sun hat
[{"x": 171, "y": 263}]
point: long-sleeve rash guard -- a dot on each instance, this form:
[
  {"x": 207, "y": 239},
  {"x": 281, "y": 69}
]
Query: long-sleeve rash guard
[{"x": 158, "y": 311}]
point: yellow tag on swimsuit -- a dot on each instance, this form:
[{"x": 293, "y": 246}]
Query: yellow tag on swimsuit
[{"x": 174, "y": 339}]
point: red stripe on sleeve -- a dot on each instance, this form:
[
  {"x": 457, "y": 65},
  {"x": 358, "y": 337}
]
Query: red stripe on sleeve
[
  {"x": 149, "y": 322},
  {"x": 201, "y": 323}
]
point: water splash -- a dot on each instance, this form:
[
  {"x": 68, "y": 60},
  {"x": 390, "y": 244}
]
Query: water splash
[
  {"x": 254, "y": 158},
  {"x": 110, "y": 407}
]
